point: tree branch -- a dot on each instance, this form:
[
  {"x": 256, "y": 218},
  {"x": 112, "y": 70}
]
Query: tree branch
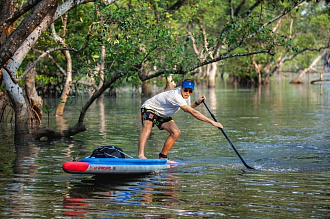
[
  {"x": 88, "y": 84},
  {"x": 239, "y": 8},
  {"x": 176, "y": 6},
  {"x": 161, "y": 72},
  {"x": 52, "y": 58},
  {"x": 222, "y": 57},
  {"x": 306, "y": 49},
  {"x": 270, "y": 73}
]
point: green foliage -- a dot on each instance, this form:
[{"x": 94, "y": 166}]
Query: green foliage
[
  {"x": 46, "y": 109},
  {"x": 44, "y": 79},
  {"x": 144, "y": 36}
]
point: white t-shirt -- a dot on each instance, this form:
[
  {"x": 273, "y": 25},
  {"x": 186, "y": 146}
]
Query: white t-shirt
[{"x": 167, "y": 103}]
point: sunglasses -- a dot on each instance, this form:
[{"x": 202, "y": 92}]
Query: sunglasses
[{"x": 188, "y": 90}]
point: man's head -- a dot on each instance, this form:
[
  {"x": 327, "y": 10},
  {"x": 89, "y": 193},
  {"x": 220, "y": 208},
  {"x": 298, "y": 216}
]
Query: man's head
[{"x": 187, "y": 87}]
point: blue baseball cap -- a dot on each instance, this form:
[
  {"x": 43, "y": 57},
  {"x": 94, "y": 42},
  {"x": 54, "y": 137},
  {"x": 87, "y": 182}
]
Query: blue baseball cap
[{"x": 188, "y": 84}]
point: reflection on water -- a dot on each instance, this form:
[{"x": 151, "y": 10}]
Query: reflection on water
[
  {"x": 281, "y": 130},
  {"x": 119, "y": 191}
]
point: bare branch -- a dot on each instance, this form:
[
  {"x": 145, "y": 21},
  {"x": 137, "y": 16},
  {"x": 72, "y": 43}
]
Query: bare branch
[
  {"x": 85, "y": 84},
  {"x": 270, "y": 73},
  {"x": 181, "y": 71},
  {"x": 248, "y": 12},
  {"x": 306, "y": 49},
  {"x": 42, "y": 56},
  {"x": 52, "y": 50},
  {"x": 52, "y": 58},
  {"x": 80, "y": 127},
  {"x": 222, "y": 57}
]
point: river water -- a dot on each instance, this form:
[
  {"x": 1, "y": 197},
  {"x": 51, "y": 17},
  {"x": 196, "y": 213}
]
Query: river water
[{"x": 282, "y": 130}]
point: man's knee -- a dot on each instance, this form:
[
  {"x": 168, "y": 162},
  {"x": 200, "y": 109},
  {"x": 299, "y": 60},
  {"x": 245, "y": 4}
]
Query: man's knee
[{"x": 176, "y": 133}]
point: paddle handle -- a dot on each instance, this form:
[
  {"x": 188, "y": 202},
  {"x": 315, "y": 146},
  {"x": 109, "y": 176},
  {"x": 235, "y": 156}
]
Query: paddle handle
[{"x": 223, "y": 132}]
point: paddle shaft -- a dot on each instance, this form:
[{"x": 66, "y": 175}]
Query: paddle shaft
[{"x": 223, "y": 132}]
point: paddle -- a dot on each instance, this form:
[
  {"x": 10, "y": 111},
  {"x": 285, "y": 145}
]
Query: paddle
[{"x": 223, "y": 132}]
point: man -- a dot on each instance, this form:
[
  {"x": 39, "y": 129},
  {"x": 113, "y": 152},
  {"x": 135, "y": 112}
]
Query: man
[{"x": 159, "y": 109}]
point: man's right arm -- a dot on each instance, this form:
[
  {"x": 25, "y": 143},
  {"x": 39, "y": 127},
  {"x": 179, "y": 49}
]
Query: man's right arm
[{"x": 200, "y": 116}]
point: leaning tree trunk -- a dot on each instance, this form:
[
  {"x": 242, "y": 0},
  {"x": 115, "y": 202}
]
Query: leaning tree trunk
[
  {"x": 79, "y": 126},
  {"x": 298, "y": 80},
  {"x": 326, "y": 63}
]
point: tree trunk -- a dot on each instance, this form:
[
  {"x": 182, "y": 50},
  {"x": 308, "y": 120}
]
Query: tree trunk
[
  {"x": 146, "y": 88},
  {"x": 15, "y": 93},
  {"x": 34, "y": 100},
  {"x": 170, "y": 84},
  {"x": 326, "y": 63},
  {"x": 212, "y": 75},
  {"x": 298, "y": 80},
  {"x": 102, "y": 62},
  {"x": 16, "y": 46},
  {"x": 67, "y": 85},
  {"x": 146, "y": 85},
  {"x": 257, "y": 69},
  {"x": 68, "y": 80}
]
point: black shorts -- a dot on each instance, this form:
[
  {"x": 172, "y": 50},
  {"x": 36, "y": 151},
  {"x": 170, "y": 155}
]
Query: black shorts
[{"x": 147, "y": 114}]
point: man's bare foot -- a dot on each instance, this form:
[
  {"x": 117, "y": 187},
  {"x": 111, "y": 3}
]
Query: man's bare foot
[{"x": 142, "y": 157}]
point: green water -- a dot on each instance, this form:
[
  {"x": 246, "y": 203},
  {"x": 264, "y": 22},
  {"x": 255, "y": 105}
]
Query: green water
[{"x": 282, "y": 130}]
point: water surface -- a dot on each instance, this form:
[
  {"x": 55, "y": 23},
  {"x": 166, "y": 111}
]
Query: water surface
[{"x": 282, "y": 130}]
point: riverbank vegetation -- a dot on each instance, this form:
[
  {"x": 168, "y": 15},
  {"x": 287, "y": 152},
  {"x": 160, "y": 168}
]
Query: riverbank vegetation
[{"x": 54, "y": 48}]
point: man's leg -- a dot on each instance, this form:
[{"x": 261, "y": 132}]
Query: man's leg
[
  {"x": 146, "y": 130},
  {"x": 174, "y": 131}
]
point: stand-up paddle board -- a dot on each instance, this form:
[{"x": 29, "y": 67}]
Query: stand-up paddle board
[
  {"x": 112, "y": 160},
  {"x": 117, "y": 166}
]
